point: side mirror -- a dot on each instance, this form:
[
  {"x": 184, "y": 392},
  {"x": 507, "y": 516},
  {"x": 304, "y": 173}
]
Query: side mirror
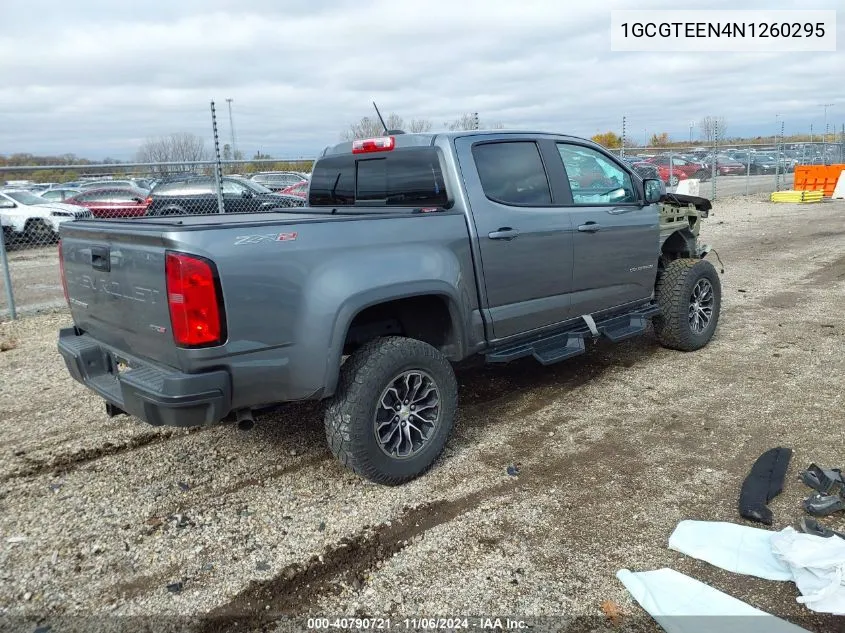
[
  {"x": 7, "y": 204},
  {"x": 654, "y": 190},
  {"x": 246, "y": 193}
]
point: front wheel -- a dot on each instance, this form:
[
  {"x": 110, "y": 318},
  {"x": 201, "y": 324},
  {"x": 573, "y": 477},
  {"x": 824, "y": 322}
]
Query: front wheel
[
  {"x": 39, "y": 233},
  {"x": 689, "y": 295},
  {"x": 393, "y": 411}
]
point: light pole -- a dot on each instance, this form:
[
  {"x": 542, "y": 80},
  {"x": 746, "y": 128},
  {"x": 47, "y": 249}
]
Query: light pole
[
  {"x": 691, "y": 125},
  {"x": 232, "y": 129},
  {"x": 777, "y": 156},
  {"x": 824, "y": 137}
]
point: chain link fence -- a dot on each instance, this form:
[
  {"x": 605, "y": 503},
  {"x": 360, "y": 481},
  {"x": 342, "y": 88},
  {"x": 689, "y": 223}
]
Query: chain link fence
[
  {"x": 724, "y": 169},
  {"x": 32, "y": 212},
  {"x": 36, "y": 200}
]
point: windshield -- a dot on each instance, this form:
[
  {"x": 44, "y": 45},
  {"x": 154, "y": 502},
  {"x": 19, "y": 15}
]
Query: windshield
[
  {"x": 24, "y": 197},
  {"x": 256, "y": 187}
]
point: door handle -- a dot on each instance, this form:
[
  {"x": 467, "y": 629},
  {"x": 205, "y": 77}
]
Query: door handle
[
  {"x": 101, "y": 258},
  {"x": 589, "y": 227},
  {"x": 503, "y": 233}
]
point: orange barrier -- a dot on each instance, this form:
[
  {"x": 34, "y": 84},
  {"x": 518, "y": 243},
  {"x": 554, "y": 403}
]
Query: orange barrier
[{"x": 817, "y": 178}]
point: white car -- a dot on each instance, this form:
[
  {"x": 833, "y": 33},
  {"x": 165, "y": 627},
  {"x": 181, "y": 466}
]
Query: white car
[{"x": 25, "y": 215}]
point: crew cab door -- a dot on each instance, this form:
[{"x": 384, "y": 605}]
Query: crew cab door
[
  {"x": 524, "y": 236},
  {"x": 616, "y": 237}
]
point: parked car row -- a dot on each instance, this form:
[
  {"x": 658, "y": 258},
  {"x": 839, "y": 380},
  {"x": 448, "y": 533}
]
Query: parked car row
[{"x": 34, "y": 216}]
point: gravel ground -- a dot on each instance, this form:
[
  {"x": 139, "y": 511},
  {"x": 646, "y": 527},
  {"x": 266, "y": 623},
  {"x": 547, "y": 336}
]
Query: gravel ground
[{"x": 98, "y": 517}]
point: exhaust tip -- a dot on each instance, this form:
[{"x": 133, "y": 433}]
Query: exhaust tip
[{"x": 244, "y": 419}]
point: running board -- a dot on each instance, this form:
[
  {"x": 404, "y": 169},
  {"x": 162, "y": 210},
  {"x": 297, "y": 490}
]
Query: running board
[{"x": 559, "y": 346}]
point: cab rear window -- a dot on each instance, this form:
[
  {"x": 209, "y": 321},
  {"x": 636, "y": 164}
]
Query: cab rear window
[{"x": 402, "y": 178}]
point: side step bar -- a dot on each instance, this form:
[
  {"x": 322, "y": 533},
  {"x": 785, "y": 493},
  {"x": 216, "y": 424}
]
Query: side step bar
[{"x": 553, "y": 348}]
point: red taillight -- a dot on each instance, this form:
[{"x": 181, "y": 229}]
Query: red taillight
[
  {"x": 148, "y": 201},
  {"x": 62, "y": 274},
  {"x": 367, "y": 145},
  {"x": 193, "y": 296}
]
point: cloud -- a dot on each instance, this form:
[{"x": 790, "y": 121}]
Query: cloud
[{"x": 97, "y": 79}]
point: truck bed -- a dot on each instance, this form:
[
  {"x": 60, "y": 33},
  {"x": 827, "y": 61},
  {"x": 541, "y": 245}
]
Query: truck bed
[{"x": 284, "y": 280}]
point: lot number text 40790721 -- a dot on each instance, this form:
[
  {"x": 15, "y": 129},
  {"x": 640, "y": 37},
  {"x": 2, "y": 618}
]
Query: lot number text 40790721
[{"x": 417, "y": 624}]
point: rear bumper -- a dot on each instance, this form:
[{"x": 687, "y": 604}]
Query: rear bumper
[{"x": 161, "y": 397}]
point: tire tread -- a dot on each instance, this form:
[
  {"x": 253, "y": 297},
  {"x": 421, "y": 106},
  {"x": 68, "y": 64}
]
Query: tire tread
[
  {"x": 671, "y": 325},
  {"x": 348, "y": 415}
]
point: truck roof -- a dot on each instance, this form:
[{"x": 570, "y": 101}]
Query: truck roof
[{"x": 421, "y": 139}]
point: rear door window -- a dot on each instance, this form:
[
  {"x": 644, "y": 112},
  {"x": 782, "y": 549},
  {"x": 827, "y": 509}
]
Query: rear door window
[{"x": 512, "y": 173}]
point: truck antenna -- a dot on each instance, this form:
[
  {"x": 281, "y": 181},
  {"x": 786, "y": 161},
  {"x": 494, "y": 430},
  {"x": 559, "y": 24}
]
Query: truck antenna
[{"x": 383, "y": 124}]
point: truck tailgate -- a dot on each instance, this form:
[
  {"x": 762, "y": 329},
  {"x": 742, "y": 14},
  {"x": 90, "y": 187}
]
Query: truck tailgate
[{"x": 116, "y": 287}]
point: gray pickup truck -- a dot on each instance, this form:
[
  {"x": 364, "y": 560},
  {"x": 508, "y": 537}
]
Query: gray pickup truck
[{"x": 415, "y": 252}]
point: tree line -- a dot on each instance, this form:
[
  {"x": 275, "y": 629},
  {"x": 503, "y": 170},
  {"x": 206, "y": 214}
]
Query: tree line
[
  {"x": 711, "y": 127},
  {"x": 181, "y": 149}
]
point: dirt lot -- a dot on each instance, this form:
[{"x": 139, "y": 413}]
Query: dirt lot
[{"x": 614, "y": 448}]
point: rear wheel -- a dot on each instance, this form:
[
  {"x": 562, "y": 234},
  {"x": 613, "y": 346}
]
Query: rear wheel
[
  {"x": 393, "y": 411},
  {"x": 39, "y": 232},
  {"x": 689, "y": 295},
  {"x": 673, "y": 181}
]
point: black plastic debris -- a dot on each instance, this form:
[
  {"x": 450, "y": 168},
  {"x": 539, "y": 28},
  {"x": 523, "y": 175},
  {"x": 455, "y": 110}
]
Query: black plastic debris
[
  {"x": 513, "y": 470},
  {"x": 183, "y": 486},
  {"x": 764, "y": 483},
  {"x": 822, "y": 480},
  {"x": 44, "y": 628},
  {"x": 811, "y": 526},
  {"x": 174, "y": 587},
  {"x": 823, "y": 505},
  {"x": 322, "y": 526}
]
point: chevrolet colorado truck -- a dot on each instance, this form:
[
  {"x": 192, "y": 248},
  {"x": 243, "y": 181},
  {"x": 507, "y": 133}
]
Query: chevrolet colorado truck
[{"x": 415, "y": 252}]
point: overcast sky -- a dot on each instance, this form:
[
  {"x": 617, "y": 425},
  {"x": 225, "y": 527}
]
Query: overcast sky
[{"x": 96, "y": 78}]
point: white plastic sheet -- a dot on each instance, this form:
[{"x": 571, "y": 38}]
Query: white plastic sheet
[
  {"x": 681, "y": 604},
  {"x": 815, "y": 564},
  {"x": 737, "y": 548}
]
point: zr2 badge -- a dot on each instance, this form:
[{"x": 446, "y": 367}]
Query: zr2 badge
[{"x": 267, "y": 237}]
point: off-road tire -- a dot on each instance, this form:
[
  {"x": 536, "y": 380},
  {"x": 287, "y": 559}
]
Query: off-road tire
[
  {"x": 674, "y": 291},
  {"x": 350, "y": 414}
]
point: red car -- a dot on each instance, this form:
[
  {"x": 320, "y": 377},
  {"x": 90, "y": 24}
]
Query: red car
[
  {"x": 300, "y": 190},
  {"x": 726, "y": 166},
  {"x": 681, "y": 169},
  {"x": 113, "y": 202}
]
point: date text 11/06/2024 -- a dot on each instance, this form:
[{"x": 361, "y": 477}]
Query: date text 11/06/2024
[{"x": 415, "y": 624}]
